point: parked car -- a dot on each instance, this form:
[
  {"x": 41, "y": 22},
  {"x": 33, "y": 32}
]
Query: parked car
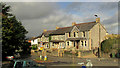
[
  {"x": 23, "y": 64},
  {"x": 9, "y": 57}
]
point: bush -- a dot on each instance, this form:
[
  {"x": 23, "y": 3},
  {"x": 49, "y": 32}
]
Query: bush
[
  {"x": 117, "y": 55},
  {"x": 26, "y": 48},
  {"x": 108, "y": 45},
  {"x": 34, "y": 47}
]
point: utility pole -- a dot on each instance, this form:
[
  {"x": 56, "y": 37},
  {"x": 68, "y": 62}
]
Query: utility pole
[
  {"x": 99, "y": 48},
  {"x": 99, "y": 55}
]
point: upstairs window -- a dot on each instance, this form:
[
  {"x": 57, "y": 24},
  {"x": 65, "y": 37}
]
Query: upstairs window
[
  {"x": 74, "y": 34},
  {"x": 77, "y": 34},
  {"x": 83, "y": 34},
  {"x": 69, "y": 34}
]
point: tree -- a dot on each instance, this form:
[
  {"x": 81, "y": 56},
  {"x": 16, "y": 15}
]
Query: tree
[{"x": 13, "y": 33}]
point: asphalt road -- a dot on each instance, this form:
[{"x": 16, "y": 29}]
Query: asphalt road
[{"x": 68, "y": 61}]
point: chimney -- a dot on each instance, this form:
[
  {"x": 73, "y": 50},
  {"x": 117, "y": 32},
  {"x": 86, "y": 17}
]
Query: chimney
[
  {"x": 57, "y": 27},
  {"x": 98, "y": 20},
  {"x": 73, "y": 23},
  {"x": 45, "y": 30}
]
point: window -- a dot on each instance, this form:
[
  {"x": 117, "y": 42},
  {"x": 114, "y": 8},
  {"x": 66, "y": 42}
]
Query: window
[
  {"x": 69, "y": 34},
  {"x": 68, "y": 43},
  {"x": 85, "y": 43},
  {"x": 77, "y": 34},
  {"x": 83, "y": 33},
  {"x": 81, "y": 43},
  {"x": 74, "y": 34}
]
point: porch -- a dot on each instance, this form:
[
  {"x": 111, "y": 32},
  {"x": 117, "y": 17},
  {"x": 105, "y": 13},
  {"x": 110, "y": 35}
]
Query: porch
[
  {"x": 77, "y": 43},
  {"x": 57, "y": 44}
]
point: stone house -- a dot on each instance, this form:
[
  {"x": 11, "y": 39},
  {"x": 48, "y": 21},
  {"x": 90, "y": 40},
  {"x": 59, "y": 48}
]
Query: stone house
[
  {"x": 44, "y": 38},
  {"x": 83, "y": 36}
]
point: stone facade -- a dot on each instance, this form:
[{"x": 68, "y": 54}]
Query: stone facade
[{"x": 85, "y": 36}]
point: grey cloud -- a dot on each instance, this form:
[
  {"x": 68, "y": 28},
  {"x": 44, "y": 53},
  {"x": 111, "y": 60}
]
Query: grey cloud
[
  {"x": 92, "y": 6},
  {"x": 32, "y": 10},
  {"x": 39, "y": 16}
]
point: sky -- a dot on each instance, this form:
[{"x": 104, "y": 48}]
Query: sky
[{"x": 37, "y": 16}]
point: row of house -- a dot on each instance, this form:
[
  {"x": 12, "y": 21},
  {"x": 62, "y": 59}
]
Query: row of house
[{"x": 82, "y": 36}]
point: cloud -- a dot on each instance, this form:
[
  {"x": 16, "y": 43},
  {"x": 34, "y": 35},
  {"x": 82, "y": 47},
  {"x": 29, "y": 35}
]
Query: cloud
[
  {"x": 59, "y": 0},
  {"x": 43, "y": 15},
  {"x": 32, "y": 10},
  {"x": 107, "y": 11}
]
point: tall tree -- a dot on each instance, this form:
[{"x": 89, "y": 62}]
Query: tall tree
[{"x": 13, "y": 33}]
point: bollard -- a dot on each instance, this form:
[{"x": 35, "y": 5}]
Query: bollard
[
  {"x": 58, "y": 52},
  {"x": 45, "y": 58},
  {"x": 79, "y": 54},
  {"x": 40, "y": 57}
]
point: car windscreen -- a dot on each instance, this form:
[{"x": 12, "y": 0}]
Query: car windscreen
[{"x": 19, "y": 65}]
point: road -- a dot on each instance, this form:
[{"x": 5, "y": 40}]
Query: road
[
  {"x": 68, "y": 61},
  {"x": 65, "y": 61}
]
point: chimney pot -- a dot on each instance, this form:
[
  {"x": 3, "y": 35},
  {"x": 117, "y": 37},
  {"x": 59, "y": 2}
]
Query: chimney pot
[
  {"x": 98, "y": 20},
  {"x": 73, "y": 23},
  {"x": 57, "y": 27},
  {"x": 45, "y": 30}
]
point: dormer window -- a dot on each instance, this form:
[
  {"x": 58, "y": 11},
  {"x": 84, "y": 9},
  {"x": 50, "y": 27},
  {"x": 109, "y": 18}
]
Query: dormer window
[
  {"x": 77, "y": 34},
  {"x": 74, "y": 34}
]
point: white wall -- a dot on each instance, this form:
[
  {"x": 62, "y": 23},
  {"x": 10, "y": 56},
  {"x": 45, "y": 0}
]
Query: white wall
[{"x": 35, "y": 41}]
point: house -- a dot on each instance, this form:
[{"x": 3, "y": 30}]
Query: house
[
  {"x": 82, "y": 36},
  {"x": 33, "y": 41},
  {"x": 44, "y": 38}
]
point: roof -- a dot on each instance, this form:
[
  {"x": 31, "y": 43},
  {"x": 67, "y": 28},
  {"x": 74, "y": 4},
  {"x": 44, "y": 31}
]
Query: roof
[
  {"x": 32, "y": 38},
  {"x": 46, "y": 33},
  {"x": 85, "y": 26},
  {"x": 82, "y": 27},
  {"x": 62, "y": 30}
]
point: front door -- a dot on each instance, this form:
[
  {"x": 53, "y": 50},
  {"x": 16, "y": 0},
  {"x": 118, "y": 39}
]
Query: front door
[{"x": 77, "y": 44}]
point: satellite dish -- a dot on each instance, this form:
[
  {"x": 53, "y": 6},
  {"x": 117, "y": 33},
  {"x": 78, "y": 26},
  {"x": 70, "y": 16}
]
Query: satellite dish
[{"x": 96, "y": 15}]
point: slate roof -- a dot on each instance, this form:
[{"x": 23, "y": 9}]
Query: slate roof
[
  {"x": 46, "y": 33},
  {"x": 85, "y": 26},
  {"x": 82, "y": 27},
  {"x": 62, "y": 30}
]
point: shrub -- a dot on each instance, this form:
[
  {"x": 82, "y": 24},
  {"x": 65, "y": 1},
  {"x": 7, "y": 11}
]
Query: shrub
[
  {"x": 34, "y": 47},
  {"x": 108, "y": 45}
]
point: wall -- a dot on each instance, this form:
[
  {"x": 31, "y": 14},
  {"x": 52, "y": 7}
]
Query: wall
[
  {"x": 35, "y": 41},
  {"x": 58, "y": 37},
  {"x": 44, "y": 39},
  {"x": 95, "y": 35}
]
